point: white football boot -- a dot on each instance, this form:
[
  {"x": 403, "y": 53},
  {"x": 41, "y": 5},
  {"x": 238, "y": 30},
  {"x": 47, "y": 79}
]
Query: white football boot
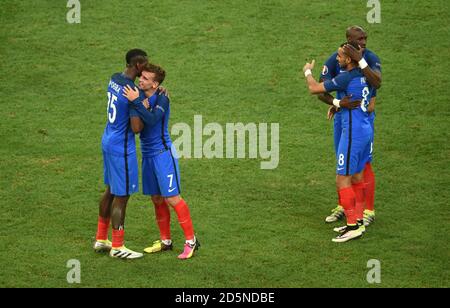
[
  {"x": 102, "y": 245},
  {"x": 125, "y": 253},
  {"x": 348, "y": 235},
  {"x": 336, "y": 214}
]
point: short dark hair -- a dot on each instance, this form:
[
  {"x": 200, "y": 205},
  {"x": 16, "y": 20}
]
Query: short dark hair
[
  {"x": 135, "y": 56},
  {"x": 354, "y": 44},
  {"x": 160, "y": 73}
]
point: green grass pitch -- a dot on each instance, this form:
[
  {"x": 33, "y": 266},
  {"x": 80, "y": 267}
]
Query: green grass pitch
[{"x": 229, "y": 61}]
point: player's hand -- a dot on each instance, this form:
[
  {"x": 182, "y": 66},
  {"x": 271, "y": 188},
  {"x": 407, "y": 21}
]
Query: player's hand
[
  {"x": 356, "y": 55},
  {"x": 131, "y": 94},
  {"x": 146, "y": 103},
  {"x": 331, "y": 111},
  {"x": 309, "y": 66},
  {"x": 163, "y": 91},
  {"x": 346, "y": 103}
]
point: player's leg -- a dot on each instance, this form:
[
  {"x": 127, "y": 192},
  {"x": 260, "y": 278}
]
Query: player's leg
[
  {"x": 102, "y": 243},
  {"x": 358, "y": 186},
  {"x": 150, "y": 187},
  {"x": 337, "y": 213},
  {"x": 162, "y": 214},
  {"x": 361, "y": 148},
  {"x": 101, "y": 239},
  {"x": 118, "y": 212},
  {"x": 347, "y": 197},
  {"x": 369, "y": 179},
  {"x": 124, "y": 182},
  {"x": 167, "y": 172},
  {"x": 184, "y": 219}
]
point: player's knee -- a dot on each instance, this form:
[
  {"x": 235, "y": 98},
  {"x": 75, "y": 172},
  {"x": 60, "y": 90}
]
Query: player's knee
[
  {"x": 157, "y": 200},
  {"x": 107, "y": 194},
  {"x": 343, "y": 181},
  {"x": 121, "y": 200},
  {"x": 172, "y": 201},
  {"x": 357, "y": 178}
]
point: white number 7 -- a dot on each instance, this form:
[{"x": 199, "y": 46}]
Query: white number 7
[{"x": 170, "y": 176}]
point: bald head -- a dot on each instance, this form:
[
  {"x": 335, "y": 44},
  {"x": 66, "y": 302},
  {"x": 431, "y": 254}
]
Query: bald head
[
  {"x": 352, "y": 29},
  {"x": 357, "y": 35}
]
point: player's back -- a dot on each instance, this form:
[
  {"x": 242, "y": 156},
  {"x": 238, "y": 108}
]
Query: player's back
[
  {"x": 155, "y": 139},
  {"x": 118, "y": 138}
]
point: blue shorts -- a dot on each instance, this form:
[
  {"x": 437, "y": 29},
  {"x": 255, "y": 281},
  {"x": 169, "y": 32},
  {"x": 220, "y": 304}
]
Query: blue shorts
[
  {"x": 352, "y": 154},
  {"x": 370, "y": 152},
  {"x": 161, "y": 175},
  {"x": 120, "y": 173}
]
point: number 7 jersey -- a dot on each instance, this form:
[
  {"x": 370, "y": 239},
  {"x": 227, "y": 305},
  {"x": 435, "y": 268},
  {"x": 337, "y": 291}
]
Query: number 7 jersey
[{"x": 118, "y": 138}]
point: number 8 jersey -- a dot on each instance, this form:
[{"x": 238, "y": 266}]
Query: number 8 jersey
[
  {"x": 353, "y": 83},
  {"x": 118, "y": 138}
]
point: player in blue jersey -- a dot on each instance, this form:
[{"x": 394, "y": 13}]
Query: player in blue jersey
[
  {"x": 355, "y": 139},
  {"x": 371, "y": 68},
  {"x": 119, "y": 159},
  {"x": 160, "y": 171}
]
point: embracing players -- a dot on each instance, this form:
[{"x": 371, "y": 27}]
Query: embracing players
[
  {"x": 371, "y": 69},
  {"x": 355, "y": 140},
  {"x": 119, "y": 160},
  {"x": 160, "y": 171}
]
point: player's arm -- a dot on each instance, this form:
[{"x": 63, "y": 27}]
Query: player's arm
[
  {"x": 371, "y": 106},
  {"x": 327, "y": 98},
  {"x": 327, "y": 73},
  {"x": 150, "y": 118},
  {"x": 314, "y": 87},
  {"x": 372, "y": 75},
  {"x": 345, "y": 102},
  {"x": 321, "y": 88},
  {"x": 136, "y": 123}
]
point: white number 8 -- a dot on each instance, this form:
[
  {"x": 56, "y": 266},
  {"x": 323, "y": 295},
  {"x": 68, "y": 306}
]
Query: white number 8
[
  {"x": 341, "y": 159},
  {"x": 365, "y": 102}
]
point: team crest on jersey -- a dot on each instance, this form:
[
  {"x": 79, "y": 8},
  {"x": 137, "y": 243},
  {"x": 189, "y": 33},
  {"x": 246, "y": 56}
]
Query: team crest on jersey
[{"x": 325, "y": 70}]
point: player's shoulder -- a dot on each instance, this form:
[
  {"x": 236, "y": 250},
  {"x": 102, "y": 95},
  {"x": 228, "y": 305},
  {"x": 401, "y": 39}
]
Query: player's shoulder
[
  {"x": 121, "y": 80},
  {"x": 330, "y": 67},
  {"x": 355, "y": 73},
  {"x": 345, "y": 74},
  {"x": 332, "y": 61},
  {"x": 162, "y": 99},
  {"x": 333, "y": 56},
  {"x": 369, "y": 54},
  {"x": 344, "y": 78}
]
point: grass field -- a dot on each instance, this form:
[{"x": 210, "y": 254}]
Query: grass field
[{"x": 229, "y": 61}]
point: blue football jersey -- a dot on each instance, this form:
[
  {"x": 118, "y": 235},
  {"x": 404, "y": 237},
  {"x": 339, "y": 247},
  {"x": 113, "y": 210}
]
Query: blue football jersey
[
  {"x": 353, "y": 83},
  {"x": 155, "y": 136},
  {"x": 331, "y": 67},
  {"x": 118, "y": 138}
]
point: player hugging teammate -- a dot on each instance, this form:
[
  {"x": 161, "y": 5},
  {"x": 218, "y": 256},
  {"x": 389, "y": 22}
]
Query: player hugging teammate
[
  {"x": 144, "y": 111},
  {"x": 354, "y": 73}
]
